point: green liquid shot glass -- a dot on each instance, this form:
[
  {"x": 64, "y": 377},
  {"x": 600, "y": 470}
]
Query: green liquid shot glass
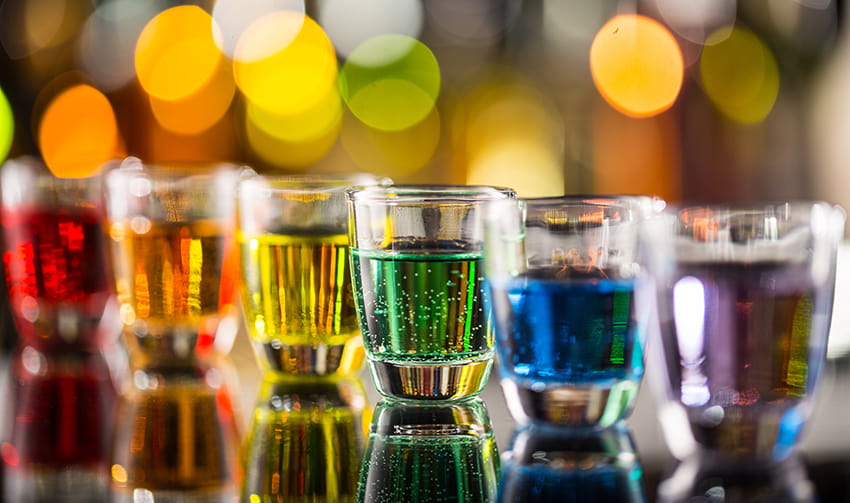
[{"x": 416, "y": 255}]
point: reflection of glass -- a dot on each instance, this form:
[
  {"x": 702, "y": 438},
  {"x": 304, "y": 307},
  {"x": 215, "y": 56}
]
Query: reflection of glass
[
  {"x": 430, "y": 453},
  {"x": 170, "y": 228},
  {"x": 572, "y": 465},
  {"x": 567, "y": 288},
  {"x": 702, "y": 480},
  {"x": 295, "y": 268},
  {"x": 744, "y": 304},
  {"x": 65, "y": 312},
  {"x": 305, "y": 440},
  {"x": 416, "y": 264}
]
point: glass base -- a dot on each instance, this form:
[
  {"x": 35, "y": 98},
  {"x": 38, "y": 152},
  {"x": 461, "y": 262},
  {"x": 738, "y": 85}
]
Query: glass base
[
  {"x": 189, "y": 496},
  {"x": 403, "y": 381},
  {"x": 579, "y": 406},
  {"x": 318, "y": 359}
]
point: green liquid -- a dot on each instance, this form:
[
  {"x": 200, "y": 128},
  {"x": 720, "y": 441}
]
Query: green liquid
[{"x": 421, "y": 309}]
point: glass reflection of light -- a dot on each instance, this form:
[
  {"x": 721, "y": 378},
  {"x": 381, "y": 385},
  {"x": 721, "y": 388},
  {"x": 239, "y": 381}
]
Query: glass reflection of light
[
  {"x": 689, "y": 317},
  {"x": 547, "y": 464},
  {"x": 429, "y": 453},
  {"x": 305, "y": 440},
  {"x": 702, "y": 479}
]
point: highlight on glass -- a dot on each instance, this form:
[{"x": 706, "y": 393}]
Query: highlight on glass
[
  {"x": 417, "y": 268},
  {"x": 296, "y": 281},
  {"x": 745, "y": 299},
  {"x": 568, "y": 284}
]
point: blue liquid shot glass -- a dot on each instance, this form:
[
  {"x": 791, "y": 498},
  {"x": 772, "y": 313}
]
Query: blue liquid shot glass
[
  {"x": 569, "y": 297},
  {"x": 566, "y": 465}
]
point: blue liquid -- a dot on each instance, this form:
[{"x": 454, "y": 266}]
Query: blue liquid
[
  {"x": 543, "y": 484},
  {"x": 578, "y": 330}
]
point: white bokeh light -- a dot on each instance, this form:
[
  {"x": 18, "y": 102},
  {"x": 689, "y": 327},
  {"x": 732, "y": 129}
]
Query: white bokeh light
[{"x": 349, "y": 23}]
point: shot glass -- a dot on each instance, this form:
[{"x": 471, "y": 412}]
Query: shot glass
[
  {"x": 296, "y": 282},
  {"x": 171, "y": 230},
  {"x": 571, "y": 300},
  {"x": 61, "y": 389},
  {"x": 417, "y": 269},
  {"x": 745, "y": 300}
]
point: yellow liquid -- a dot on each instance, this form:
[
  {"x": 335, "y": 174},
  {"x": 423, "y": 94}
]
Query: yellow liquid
[
  {"x": 297, "y": 292},
  {"x": 168, "y": 283}
]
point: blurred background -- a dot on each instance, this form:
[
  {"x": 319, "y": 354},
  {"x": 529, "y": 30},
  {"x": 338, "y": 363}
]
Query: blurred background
[{"x": 704, "y": 100}]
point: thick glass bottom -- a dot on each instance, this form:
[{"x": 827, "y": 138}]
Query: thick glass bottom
[
  {"x": 316, "y": 359},
  {"x": 431, "y": 381},
  {"x": 71, "y": 485},
  {"x": 587, "y": 405}
]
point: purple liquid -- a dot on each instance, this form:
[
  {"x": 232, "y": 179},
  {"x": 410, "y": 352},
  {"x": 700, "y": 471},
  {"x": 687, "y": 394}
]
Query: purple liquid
[{"x": 739, "y": 353}]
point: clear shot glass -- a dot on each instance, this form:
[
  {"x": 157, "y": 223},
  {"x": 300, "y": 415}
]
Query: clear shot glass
[
  {"x": 744, "y": 300},
  {"x": 296, "y": 280},
  {"x": 417, "y": 256},
  {"x": 571, "y": 300}
]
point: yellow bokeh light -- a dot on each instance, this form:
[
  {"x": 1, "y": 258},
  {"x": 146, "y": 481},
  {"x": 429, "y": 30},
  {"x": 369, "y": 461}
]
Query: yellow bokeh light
[
  {"x": 7, "y": 126},
  {"x": 288, "y": 154},
  {"x": 176, "y": 53},
  {"x": 392, "y": 153},
  {"x": 284, "y": 63},
  {"x": 119, "y": 474},
  {"x": 739, "y": 75},
  {"x": 319, "y": 121},
  {"x": 78, "y": 132},
  {"x": 391, "y": 82},
  {"x": 199, "y": 111},
  {"x": 636, "y": 65}
]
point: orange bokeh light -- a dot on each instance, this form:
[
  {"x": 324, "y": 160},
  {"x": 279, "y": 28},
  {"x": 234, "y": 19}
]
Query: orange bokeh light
[
  {"x": 78, "y": 132},
  {"x": 176, "y": 54},
  {"x": 637, "y": 65}
]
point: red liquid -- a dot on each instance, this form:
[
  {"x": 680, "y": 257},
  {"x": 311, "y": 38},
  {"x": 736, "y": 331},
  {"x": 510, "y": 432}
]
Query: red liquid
[{"x": 57, "y": 275}]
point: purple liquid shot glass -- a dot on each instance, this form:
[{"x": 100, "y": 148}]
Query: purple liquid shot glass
[{"x": 745, "y": 299}]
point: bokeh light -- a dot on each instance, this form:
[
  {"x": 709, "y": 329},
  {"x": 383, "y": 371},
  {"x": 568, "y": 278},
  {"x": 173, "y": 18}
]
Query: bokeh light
[
  {"x": 286, "y": 154},
  {"x": 739, "y": 75},
  {"x": 107, "y": 42},
  {"x": 199, "y": 111},
  {"x": 320, "y": 121},
  {"x": 392, "y": 153},
  {"x": 233, "y": 17},
  {"x": 512, "y": 139},
  {"x": 78, "y": 132},
  {"x": 349, "y": 23},
  {"x": 7, "y": 126},
  {"x": 30, "y": 26},
  {"x": 176, "y": 54},
  {"x": 390, "y": 82},
  {"x": 285, "y": 63},
  {"x": 637, "y": 65},
  {"x": 694, "y": 20}
]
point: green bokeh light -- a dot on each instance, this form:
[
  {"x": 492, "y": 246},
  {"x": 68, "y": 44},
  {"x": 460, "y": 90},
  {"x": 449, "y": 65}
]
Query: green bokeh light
[
  {"x": 390, "y": 82},
  {"x": 739, "y": 75},
  {"x": 7, "y": 126}
]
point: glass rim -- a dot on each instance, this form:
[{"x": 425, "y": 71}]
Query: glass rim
[
  {"x": 417, "y": 193},
  {"x": 134, "y": 167},
  {"x": 306, "y": 183},
  {"x": 721, "y": 209},
  {"x": 601, "y": 200}
]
